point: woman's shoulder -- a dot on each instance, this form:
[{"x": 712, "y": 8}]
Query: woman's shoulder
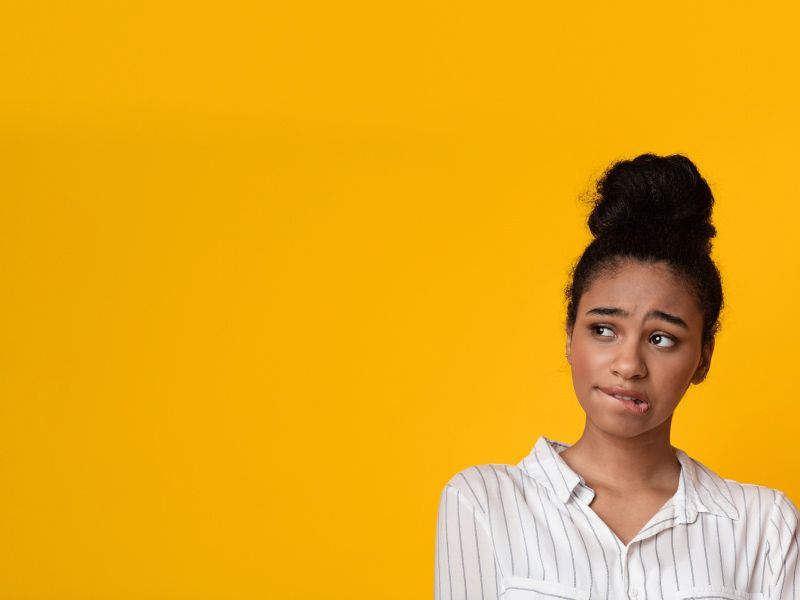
[
  {"x": 753, "y": 495},
  {"x": 749, "y": 490},
  {"x": 485, "y": 484},
  {"x": 766, "y": 512},
  {"x": 762, "y": 503},
  {"x": 538, "y": 467}
]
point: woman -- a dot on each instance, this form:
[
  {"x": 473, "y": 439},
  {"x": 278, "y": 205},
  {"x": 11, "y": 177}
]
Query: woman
[{"x": 621, "y": 513}]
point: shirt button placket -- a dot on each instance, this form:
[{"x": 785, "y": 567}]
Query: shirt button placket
[{"x": 633, "y": 594}]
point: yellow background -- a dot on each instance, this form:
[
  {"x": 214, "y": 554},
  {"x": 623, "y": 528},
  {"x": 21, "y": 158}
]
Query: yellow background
[{"x": 273, "y": 272}]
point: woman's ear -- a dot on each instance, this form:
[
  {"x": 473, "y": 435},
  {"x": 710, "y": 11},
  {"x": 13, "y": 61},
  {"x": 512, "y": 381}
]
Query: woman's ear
[{"x": 705, "y": 363}]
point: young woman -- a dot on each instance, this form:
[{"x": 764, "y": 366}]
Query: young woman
[{"x": 621, "y": 513}]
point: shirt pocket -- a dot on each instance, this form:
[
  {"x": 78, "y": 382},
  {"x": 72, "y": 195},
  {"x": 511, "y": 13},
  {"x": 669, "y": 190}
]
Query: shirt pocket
[
  {"x": 522, "y": 588},
  {"x": 706, "y": 593}
]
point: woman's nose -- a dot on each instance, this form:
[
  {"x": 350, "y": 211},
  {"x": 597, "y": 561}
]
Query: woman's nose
[{"x": 629, "y": 362}]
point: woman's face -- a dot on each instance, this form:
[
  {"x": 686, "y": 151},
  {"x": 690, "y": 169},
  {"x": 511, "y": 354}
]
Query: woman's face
[{"x": 637, "y": 332}]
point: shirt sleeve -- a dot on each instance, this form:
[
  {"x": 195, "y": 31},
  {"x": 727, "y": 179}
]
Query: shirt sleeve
[
  {"x": 782, "y": 557},
  {"x": 465, "y": 565}
]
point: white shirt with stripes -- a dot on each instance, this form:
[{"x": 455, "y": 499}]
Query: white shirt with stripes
[{"x": 526, "y": 532}]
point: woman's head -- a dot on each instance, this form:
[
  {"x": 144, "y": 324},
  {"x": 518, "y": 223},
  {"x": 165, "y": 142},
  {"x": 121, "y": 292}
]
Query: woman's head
[
  {"x": 653, "y": 209},
  {"x": 638, "y": 333},
  {"x": 645, "y": 297}
]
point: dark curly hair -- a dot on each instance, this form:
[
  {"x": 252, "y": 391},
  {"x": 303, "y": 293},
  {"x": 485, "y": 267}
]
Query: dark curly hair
[{"x": 652, "y": 208}]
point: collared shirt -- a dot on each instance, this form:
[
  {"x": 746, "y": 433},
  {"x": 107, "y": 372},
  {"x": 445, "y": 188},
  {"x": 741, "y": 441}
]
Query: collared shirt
[{"x": 527, "y": 532}]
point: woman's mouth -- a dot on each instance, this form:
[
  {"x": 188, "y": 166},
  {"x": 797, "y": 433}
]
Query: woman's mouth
[{"x": 635, "y": 402}]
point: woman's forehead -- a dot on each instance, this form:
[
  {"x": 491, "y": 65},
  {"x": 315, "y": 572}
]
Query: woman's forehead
[{"x": 637, "y": 286}]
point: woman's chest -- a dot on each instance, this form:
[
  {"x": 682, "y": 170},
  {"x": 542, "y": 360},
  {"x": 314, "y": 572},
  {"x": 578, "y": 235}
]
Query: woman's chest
[
  {"x": 626, "y": 515},
  {"x": 631, "y": 548}
]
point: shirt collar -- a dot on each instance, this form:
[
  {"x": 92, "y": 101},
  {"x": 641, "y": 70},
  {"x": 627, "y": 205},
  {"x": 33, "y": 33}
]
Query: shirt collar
[{"x": 699, "y": 488}]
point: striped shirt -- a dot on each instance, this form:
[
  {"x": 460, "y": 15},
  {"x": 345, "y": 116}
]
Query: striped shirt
[{"x": 526, "y": 532}]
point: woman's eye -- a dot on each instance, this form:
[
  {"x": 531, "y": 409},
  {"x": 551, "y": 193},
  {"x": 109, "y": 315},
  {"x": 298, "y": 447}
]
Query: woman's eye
[
  {"x": 662, "y": 340},
  {"x": 603, "y": 331}
]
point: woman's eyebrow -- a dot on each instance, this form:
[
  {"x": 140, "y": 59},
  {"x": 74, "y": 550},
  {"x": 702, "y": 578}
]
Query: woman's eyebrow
[
  {"x": 607, "y": 312},
  {"x": 660, "y": 314},
  {"x": 653, "y": 314}
]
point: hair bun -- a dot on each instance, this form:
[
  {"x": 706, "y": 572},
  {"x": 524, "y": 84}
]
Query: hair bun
[{"x": 654, "y": 195}]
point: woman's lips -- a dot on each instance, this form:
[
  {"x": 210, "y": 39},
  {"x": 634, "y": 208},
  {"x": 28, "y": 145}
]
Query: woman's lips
[{"x": 635, "y": 401}]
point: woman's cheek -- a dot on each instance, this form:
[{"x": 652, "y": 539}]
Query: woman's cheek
[
  {"x": 583, "y": 373},
  {"x": 590, "y": 361}
]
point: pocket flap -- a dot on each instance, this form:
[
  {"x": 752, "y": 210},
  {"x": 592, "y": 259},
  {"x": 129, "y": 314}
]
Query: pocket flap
[
  {"x": 703, "y": 593},
  {"x": 522, "y": 588}
]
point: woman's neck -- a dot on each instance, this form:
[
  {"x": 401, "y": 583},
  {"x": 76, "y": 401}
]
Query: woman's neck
[{"x": 641, "y": 463}]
